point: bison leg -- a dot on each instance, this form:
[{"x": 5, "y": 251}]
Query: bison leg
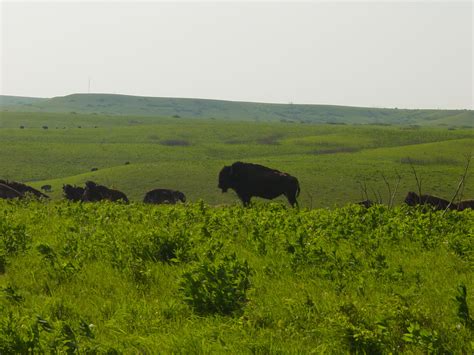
[
  {"x": 292, "y": 199},
  {"x": 245, "y": 199}
]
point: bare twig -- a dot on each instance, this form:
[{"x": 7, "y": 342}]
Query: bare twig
[
  {"x": 391, "y": 195},
  {"x": 378, "y": 196},
  {"x": 461, "y": 182},
  {"x": 468, "y": 157},
  {"x": 310, "y": 195},
  {"x": 363, "y": 188},
  {"x": 399, "y": 179},
  {"x": 418, "y": 181},
  {"x": 389, "y": 190}
]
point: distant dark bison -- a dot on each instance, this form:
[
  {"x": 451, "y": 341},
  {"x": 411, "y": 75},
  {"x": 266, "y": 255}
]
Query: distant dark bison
[
  {"x": 94, "y": 192},
  {"x": 366, "y": 203},
  {"x": 23, "y": 189},
  {"x": 159, "y": 196},
  {"x": 249, "y": 180},
  {"x": 438, "y": 203},
  {"x": 463, "y": 205},
  {"x": 73, "y": 193},
  {"x": 46, "y": 188},
  {"x": 7, "y": 192}
]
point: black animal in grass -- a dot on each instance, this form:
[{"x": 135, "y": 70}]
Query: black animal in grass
[
  {"x": 73, "y": 193},
  {"x": 6, "y": 192},
  {"x": 46, "y": 188},
  {"x": 438, "y": 203},
  {"x": 463, "y": 205},
  {"x": 366, "y": 203},
  {"x": 159, "y": 196},
  {"x": 23, "y": 189},
  {"x": 249, "y": 180},
  {"x": 94, "y": 192}
]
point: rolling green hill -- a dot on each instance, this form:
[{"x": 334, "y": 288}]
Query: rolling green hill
[
  {"x": 137, "y": 154},
  {"x": 20, "y": 102},
  {"x": 111, "y": 104}
]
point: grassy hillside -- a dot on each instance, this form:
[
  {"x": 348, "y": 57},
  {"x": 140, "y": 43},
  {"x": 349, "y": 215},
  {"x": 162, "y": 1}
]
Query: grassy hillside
[
  {"x": 112, "y": 278},
  {"x": 137, "y": 154},
  {"x": 21, "y": 103},
  {"x": 110, "y": 104}
]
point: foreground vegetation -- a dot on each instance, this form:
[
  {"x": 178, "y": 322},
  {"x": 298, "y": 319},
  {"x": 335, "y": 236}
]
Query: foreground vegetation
[{"x": 195, "y": 279}]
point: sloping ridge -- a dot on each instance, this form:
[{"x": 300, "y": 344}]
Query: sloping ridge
[
  {"x": 114, "y": 104},
  {"x": 6, "y": 100}
]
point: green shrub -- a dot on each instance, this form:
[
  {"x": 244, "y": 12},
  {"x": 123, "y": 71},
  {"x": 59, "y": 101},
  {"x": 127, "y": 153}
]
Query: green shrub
[
  {"x": 217, "y": 286},
  {"x": 463, "y": 308},
  {"x": 164, "y": 247},
  {"x": 13, "y": 238},
  {"x": 18, "y": 335},
  {"x": 426, "y": 339}
]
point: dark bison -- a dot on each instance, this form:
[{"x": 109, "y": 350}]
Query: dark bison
[
  {"x": 7, "y": 192},
  {"x": 94, "y": 192},
  {"x": 437, "y": 203},
  {"x": 365, "y": 203},
  {"x": 23, "y": 189},
  {"x": 249, "y": 180},
  {"x": 159, "y": 196},
  {"x": 461, "y": 206},
  {"x": 73, "y": 193},
  {"x": 46, "y": 188}
]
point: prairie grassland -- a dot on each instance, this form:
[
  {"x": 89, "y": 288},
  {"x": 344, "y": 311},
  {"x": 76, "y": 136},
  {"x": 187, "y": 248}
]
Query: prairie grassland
[
  {"x": 198, "y": 278},
  {"x": 330, "y": 161}
]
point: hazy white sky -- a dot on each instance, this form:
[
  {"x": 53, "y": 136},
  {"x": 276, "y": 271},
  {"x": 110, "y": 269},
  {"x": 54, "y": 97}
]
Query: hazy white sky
[{"x": 384, "y": 54}]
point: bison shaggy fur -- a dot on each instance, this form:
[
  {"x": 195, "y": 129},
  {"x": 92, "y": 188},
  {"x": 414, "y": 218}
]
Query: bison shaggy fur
[
  {"x": 463, "y": 205},
  {"x": 94, "y": 192},
  {"x": 160, "y": 196},
  {"x": 7, "y": 192},
  {"x": 249, "y": 180},
  {"x": 438, "y": 203},
  {"x": 73, "y": 193},
  {"x": 366, "y": 203},
  {"x": 23, "y": 189}
]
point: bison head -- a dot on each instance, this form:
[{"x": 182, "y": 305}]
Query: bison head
[
  {"x": 412, "y": 199},
  {"x": 73, "y": 193},
  {"x": 67, "y": 189},
  {"x": 91, "y": 184},
  {"x": 225, "y": 178},
  {"x": 92, "y": 192},
  {"x": 181, "y": 196}
]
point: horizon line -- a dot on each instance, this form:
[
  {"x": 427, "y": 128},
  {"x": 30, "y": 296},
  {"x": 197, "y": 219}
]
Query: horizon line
[{"x": 240, "y": 101}]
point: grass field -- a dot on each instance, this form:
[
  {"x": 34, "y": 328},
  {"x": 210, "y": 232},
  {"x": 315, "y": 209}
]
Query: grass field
[
  {"x": 211, "y": 276},
  {"x": 113, "y": 278},
  {"x": 330, "y": 161}
]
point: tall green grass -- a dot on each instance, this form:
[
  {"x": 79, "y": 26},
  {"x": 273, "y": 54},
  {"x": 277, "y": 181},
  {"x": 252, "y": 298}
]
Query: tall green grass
[{"x": 134, "y": 278}]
